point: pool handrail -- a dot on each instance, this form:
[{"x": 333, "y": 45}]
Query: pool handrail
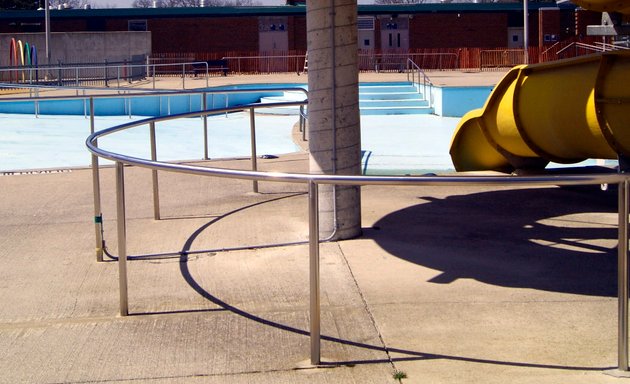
[
  {"x": 203, "y": 93},
  {"x": 314, "y": 180},
  {"x": 414, "y": 70}
]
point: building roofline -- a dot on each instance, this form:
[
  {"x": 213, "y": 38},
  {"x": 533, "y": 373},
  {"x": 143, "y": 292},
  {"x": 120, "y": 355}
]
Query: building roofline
[{"x": 363, "y": 10}]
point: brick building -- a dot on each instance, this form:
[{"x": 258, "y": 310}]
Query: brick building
[{"x": 224, "y": 31}]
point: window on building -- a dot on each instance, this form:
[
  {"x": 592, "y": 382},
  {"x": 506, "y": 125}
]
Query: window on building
[
  {"x": 365, "y": 23},
  {"x": 137, "y": 25}
]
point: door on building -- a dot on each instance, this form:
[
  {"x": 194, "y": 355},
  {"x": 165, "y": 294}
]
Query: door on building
[
  {"x": 515, "y": 37},
  {"x": 394, "y": 42},
  {"x": 273, "y": 44}
]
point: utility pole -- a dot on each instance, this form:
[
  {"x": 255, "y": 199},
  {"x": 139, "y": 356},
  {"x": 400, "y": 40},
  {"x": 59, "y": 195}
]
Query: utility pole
[
  {"x": 525, "y": 33},
  {"x": 47, "y": 26}
]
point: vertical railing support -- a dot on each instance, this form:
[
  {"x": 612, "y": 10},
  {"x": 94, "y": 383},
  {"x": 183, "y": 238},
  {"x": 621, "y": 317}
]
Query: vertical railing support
[
  {"x": 154, "y": 173},
  {"x": 37, "y": 102},
  {"x": 204, "y": 104},
  {"x": 252, "y": 140},
  {"x": 183, "y": 76},
  {"x": 313, "y": 247},
  {"x": 622, "y": 273},
  {"x": 302, "y": 123},
  {"x": 96, "y": 188},
  {"x": 122, "y": 238}
]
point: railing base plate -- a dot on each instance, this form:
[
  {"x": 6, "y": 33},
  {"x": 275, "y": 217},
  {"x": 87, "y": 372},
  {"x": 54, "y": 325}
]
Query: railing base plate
[
  {"x": 324, "y": 363},
  {"x": 617, "y": 373}
]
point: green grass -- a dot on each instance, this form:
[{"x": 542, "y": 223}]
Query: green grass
[{"x": 399, "y": 375}]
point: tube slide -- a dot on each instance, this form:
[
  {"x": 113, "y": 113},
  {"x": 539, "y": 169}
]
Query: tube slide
[
  {"x": 13, "y": 60},
  {"x": 27, "y": 54},
  {"x": 565, "y": 111}
]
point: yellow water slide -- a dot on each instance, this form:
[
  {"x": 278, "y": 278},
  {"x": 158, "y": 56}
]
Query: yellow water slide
[{"x": 564, "y": 111}]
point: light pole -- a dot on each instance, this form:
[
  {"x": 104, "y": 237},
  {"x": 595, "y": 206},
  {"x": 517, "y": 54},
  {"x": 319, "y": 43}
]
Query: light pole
[
  {"x": 47, "y": 30},
  {"x": 525, "y": 33}
]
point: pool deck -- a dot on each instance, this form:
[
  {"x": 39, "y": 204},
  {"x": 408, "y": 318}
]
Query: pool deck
[
  {"x": 446, "y": 284},
  {"x": 439, "y": 78}
]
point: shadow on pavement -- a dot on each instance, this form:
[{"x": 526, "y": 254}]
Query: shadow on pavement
[
  {"x": 486, "y": 236},
  {"x": 553, "y": 239}
]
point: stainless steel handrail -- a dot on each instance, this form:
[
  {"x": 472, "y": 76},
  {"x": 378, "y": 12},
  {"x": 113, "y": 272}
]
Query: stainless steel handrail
[
  {"x": 313, "y": 182},
  {"x": 413, "y": 69},
  {"x": 149, "y": 93}
]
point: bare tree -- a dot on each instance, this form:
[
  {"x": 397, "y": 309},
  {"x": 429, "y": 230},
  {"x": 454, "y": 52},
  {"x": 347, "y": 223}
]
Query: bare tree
[
  {"x": 142, "y": 3},
  {"x": 65, "y": 4},
  {"x": 398, "y": 1},
  {"x": 193, "y": 3}
]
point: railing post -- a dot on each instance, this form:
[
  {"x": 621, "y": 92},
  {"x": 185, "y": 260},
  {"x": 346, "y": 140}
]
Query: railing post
[
  {"x": 37, "y": 102},
  {"x": 204, "y": 104},
  {"x": 313, "y": 247},
  {"x": 622, "y": 276},
  {"x": 122, "y": 238},
  {"x": 96, "y": 188},
  {"x": 252, "y": 139},
  {"x": 183, "y": 76},
  {"x": 154, "y": 174},
  {"x": 302, "y": 123},
  {"x": 227, "y": 103}
]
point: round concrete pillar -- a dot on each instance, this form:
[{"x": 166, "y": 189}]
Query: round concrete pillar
[{"x": 333, "y": 111}]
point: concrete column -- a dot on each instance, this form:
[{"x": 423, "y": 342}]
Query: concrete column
[{"x": 333, "y": 111}]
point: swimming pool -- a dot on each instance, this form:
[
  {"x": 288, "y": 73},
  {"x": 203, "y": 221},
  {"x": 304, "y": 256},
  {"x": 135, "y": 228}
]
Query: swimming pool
[{"x": 392, "y": 144}]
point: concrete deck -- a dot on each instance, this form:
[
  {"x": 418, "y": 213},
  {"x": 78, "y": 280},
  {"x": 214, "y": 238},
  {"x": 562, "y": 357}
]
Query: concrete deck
[
  {"x": 439, "y": 78},
  {"x": 448, "y": 285}
]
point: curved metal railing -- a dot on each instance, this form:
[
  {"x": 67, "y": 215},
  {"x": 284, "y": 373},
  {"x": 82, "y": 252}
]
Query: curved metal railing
[
  {"x": 313, "y": 181},
  {"x": 423, "y": 81}
]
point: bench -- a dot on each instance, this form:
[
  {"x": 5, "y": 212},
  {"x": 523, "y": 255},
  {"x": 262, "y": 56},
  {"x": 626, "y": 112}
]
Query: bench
[
  {"x": 391, "y": 63},
  {"x": 213, "y": 66}
]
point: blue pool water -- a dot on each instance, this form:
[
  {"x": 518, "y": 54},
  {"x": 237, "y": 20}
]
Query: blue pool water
[{"x": 55, "y": 139}]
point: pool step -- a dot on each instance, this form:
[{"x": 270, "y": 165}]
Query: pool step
[
  {"x": 288, "y": 97},
  {"x": 398, "y": 99},
  {"x": 379, "y": 88},
  {"x": 374, "y": 103},
  {"x": 396, "y": 110},
  {"x": 407, "y": 95},
  {"x": 377, "y": 99}
]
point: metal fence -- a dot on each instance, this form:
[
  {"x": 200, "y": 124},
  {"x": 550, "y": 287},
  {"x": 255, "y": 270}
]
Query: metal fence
[
  {"x": 85, "y": 74},
  {"x": 104, "y": 74}
]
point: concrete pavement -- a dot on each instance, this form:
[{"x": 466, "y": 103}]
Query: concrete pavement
[
  {"x": 439, "y": 78},
  {"x": 448, "y": 285}
]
